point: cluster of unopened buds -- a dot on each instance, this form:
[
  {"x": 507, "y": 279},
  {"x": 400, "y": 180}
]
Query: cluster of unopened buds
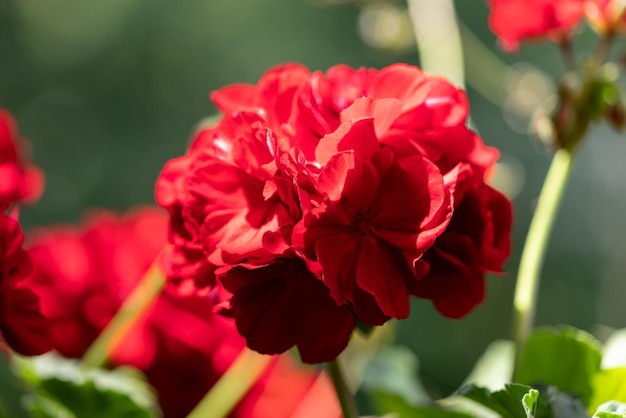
[{"x": 589, "y": 90}]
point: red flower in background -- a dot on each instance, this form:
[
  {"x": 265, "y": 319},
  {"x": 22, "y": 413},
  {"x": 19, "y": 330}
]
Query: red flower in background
[
  {"x": 19, "y": 181},
  {"x": 22, "y": 324},
  {"x": 608, "y": 16},
  {"x": 84, "y": 274},
  {"x": 517, "y": 20},
  {"x": 319, "y": 195}
]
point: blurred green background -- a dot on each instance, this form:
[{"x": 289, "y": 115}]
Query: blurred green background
[{"x": 108, "y": 90}]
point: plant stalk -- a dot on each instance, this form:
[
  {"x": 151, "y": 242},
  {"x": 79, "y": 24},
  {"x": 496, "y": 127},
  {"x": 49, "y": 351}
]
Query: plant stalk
[
  {"x": 533, "y": 254},
  {"x": 346, "y": 397},
  {"x": 140, "y": 299},
  {"x": 232, "y": 386}
]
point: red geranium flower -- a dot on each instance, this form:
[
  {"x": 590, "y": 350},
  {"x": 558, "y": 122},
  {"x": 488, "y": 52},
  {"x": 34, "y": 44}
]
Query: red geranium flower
[
  {"x": 184, "y": 348},
  {"x": 283, "y": 304},
  {"x": 84, "y": 274},
  {"x": 19, "y": 181},
  {"x": 608, "y": 16},
  {"x": 477, "y": 241},
  {"x": 380, "y": 215},
  {"x": 327, "y": 186},
  {"x": 516, "y": 20},
  {"x": 22, "y": 324}
]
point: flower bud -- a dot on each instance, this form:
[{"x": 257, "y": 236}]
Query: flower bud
[{"x": 616, "y": 115}]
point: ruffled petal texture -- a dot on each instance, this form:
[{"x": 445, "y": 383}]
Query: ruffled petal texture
[{"x": 323, "y": 199}]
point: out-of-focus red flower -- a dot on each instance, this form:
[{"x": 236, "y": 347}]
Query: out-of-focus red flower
[
  {"x": 19, "y": 181},
  {"x": 191, "y": 348},
  {"x": 83, "y": 275},
  {"x": 22, "y": 324},
  {"x": 517, "y": 20},
  {"x": 607, "y": 16},
  {"x": 331, "y": 185}
]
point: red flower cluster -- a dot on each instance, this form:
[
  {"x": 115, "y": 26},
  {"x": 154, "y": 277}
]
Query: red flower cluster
[
  {"x": 323, "y": 199},
  {"x": 608, "y": 16},
  {"x": 19, "y": 181},
  {"x": 516, "y": 20},
  {"x": 22, "y": 325},
  {"x": 84, "y": 274}
]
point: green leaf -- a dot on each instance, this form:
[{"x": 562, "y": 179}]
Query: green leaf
[
  {"x": 506, "y": 402},
  {"x": 61, "y": 389},
  {"x": 529, "y": 402},
  {"x": 611, "y": 409},
  {"x": 615, "y": 350},
  {"x": 521, "y": 401},
  {"x": 395, "y": 404},
  {"x": 394, "y": 370},
  {"x": 362, "y": 350},
  {"x": 608, "y": 385},
  {"x": 494, "y": 368},
  {"x": 391, "y": 381},
  {"x": 566, "y": 358}
]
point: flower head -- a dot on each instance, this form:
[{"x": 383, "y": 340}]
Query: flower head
[
  {"x": 19, "y": 181},
  {"x": 607, "y": 16},
  {"x": 22, "y": 324},
  {"x": 318, "y": 196},
  {"x": 517, "y": 20},
  {"x": 84, "y": 273}
]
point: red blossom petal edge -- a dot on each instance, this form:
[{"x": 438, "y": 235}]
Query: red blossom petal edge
[
  {"x": 19, "y": 180},
  {"x": 22, "y": 324}
]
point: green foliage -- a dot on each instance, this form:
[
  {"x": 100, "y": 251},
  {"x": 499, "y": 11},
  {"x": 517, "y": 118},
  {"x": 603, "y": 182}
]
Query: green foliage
[
  {"x": 615, "y": 350},
  {"x": 394, "y": 371},
  {"x": 611, "y": 409},
  {"x": 521, "y": 401},
  {"x": 61, "y": 389},
  {"x": 608, "y": 385},
  {"x": 494, "y": 368},
  {"x": 561, "y": 364},
  {"x": 391, "y": 382},
  {"x": 510, "y": 402},
  {"x": 390, "y": 403},
  {"x": 565, "y": 358},
  {"x": 529, "y": 402}
]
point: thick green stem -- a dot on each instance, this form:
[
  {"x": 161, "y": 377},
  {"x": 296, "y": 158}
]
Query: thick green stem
[
  {"x": 535, "y": 249},
  {"x": 346, "y": 397},
  {"x": 134, "y": 306},
  {"x": 232, "y": 386}
]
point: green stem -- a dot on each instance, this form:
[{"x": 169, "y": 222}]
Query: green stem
[
  {"x": 346, "y": 398},
  {"x": 526, "y": 289},
  {"x": 232, "y": 386},
  {"x": 568, "y": 55},
  {"x": 438, "y": 38},
  {"x": 134, "y": 306}
]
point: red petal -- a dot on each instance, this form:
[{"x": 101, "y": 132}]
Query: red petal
[{"x": 381, "y": 271}]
